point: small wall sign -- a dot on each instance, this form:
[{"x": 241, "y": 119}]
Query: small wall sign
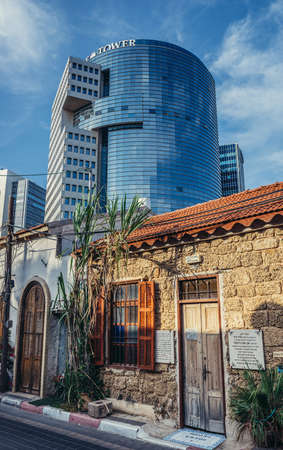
[
  {"x": 246, "y": 349},
  {"x": 164, "y": 347},
  {"x": 194, "y": 259}
]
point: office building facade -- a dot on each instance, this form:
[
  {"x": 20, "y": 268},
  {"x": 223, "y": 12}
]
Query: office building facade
[
  {"x": 232, "y": 169},
  {"x": 151, "y": 108},
  {"x": 29, "y": 201}
]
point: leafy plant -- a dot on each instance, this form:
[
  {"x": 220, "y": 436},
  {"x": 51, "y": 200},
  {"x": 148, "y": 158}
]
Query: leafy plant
[{"x": 257, "y": 406}]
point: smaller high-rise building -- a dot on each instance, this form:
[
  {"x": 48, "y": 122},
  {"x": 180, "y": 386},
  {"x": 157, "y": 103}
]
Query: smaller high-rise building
[
  {"x": 29, "y": 201},
  {"x": 232, "y": 169}
]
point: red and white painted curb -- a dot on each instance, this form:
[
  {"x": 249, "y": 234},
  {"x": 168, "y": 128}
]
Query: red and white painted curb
[{"x": 109, "y": 426}]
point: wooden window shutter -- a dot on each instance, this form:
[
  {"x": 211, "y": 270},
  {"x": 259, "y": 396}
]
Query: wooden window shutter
[
  {"x": 146, "y": 325},
  {"x": 98, "y": 336}
]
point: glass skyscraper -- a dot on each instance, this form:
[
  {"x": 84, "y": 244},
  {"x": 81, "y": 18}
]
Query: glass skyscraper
[
  {"x": 28, "y": 205},
  {"x": 154, "y": 120},
  {"x": 232, "y": 169}
]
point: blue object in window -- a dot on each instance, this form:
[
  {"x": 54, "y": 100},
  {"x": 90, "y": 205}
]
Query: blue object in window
[
  {"x": 66, "y": 214},
  {"x": 74, "y": 174},
  {"x": 86, "y": 176},
  {"x": 68, "y": 174},
  {"x": 67, "y": 187}
]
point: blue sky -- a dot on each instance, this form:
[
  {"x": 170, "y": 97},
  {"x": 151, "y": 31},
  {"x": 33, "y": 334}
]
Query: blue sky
[{"x": 240, "y": 41}]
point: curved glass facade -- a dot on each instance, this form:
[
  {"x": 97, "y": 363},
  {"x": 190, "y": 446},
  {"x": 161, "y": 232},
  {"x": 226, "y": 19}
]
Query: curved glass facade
[{"x": 158, "y": 125}]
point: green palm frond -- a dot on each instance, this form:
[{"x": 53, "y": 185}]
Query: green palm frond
[{"x": 257, "y": 405}]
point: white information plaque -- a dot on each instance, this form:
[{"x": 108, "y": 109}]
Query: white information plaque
[
  {"x": 164, "y": 347},
  {"x": 246, "y": 349}
]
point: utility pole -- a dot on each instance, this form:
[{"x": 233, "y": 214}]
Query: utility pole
[{"x": 4, "y": 382}]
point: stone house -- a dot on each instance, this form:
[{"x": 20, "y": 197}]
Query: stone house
[{"x": 200, "y": 299}]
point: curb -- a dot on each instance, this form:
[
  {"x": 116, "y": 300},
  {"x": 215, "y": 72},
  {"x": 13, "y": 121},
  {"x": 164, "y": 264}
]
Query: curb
[
  {"x": 81, "y": 419},
  {"x": 109, "y": 426},
  {"x": 123, "y": 429}
]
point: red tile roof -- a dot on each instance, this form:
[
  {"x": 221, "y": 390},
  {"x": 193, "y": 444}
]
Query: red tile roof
[{"x": 244, "y": 208}]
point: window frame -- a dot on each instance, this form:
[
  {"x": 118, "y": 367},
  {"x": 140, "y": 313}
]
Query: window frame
[{"x": 146, "y": 335}]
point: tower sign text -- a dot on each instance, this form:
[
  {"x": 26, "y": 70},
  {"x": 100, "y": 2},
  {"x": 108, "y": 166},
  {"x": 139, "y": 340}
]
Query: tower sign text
[{"x": 113, "y": 46}]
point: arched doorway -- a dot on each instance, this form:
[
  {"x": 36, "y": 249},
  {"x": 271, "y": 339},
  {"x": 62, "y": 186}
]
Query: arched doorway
[{"x": 31, "y": 342}]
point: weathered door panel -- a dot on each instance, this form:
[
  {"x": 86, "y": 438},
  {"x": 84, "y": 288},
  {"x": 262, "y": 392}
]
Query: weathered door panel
[
  {"x": 212, "y": 368},
  {"x": 203, "y": 391},
  {"x": 32, "y": 339},
  {"x": 193, "y": 394}
]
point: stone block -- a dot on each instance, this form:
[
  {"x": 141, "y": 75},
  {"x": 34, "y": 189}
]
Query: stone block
[
  {"x": 244, "y": 246},
  {"x": 275, "y": 318},
  {"x": 100, "y": 408},
  {"x": 254, "y": 303},
  {"x": 245, "y": 291},
  {"x": 229, "y": 291},
  {"x": 229, "y": 261},
  {"x": 234, "y": 319},
  {"x": 264, "y": 243},
  {"x": 256, "y": 319},
  {"x": 270, "y": 287},
  {"x": 251, "y": 259},
  {"x": 233, "y": 304},
  {"x": 237, "y": 277},
  {"x": 272, "y": 256},
  {"x": 273, "y": 337}
]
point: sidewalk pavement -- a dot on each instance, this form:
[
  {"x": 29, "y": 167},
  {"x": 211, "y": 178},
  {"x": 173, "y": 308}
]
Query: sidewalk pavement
[{"x": 121, "y": 424}]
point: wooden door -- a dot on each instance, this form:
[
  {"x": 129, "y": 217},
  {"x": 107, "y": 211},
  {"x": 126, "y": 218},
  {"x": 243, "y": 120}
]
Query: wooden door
[
  {"x": 32, "y": 339},
  {"x": 202, "y": 371}
]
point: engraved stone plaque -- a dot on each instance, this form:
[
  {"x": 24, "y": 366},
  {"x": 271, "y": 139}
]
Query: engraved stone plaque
[
  {"x": 164, "y": 346},
  {"x": 246, "y": 349}
]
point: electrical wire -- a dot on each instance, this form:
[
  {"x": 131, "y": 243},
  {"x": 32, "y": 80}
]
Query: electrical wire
[{"x": 31, "y": 174}]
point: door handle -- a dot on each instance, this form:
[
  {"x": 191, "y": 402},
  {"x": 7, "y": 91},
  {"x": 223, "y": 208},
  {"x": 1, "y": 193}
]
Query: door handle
[{"x": 205, "y": 372}]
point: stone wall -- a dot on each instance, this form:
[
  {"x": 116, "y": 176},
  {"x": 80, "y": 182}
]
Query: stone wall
[
  {"x": 250, "y": 268},
  {"x": 157, "y": 388}
]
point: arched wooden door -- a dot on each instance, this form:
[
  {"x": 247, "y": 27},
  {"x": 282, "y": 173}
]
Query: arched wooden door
[{"x": 32, "y": 339}]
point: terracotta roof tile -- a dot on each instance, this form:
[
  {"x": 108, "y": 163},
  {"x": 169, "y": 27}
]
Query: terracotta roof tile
[{"x": 243, "y": 208}]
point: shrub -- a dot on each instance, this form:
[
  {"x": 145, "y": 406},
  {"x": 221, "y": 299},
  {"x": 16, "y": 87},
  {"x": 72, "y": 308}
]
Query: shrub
[{"x": 257, "y": 406}]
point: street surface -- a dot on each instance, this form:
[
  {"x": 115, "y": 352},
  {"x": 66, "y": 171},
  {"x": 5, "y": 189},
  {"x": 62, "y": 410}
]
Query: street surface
[{"x": 20, "y": 430}]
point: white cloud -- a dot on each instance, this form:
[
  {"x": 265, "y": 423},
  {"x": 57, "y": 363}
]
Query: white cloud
[
  {"x": 30, "y": 33},
  {"x": 249, "y": 69}
]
